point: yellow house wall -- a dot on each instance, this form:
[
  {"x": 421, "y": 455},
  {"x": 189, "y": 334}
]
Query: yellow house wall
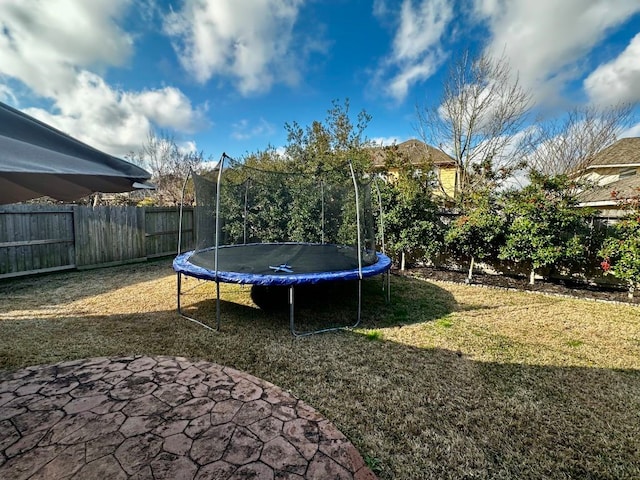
[
  {"x": 393, "y": 175},
  {"x": 446, "y": 176},
  {"x": 448, "y": 181}
]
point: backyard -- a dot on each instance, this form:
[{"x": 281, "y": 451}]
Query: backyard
[{"x": 445, "y": 381}]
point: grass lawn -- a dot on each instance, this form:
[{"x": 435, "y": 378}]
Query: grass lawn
[{"x": 446, "y": 381}]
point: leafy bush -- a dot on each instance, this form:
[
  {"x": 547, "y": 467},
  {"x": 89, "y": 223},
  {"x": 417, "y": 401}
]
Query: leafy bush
[
  {"x": 413, "y": 226},
  {"x": 544, "y": 226},
  {"x": 478, "y": 232},
  {"x": 621, "y": 250}
]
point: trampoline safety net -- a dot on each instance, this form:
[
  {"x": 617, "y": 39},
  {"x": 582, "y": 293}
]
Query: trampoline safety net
[{"x": 241, "y": 205}]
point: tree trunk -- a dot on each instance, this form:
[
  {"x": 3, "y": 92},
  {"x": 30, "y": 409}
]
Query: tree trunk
[
  {"x": 532, "y": 277},
  {"x": 402, "y": 261},
  {"x": 470, "y": 274}
]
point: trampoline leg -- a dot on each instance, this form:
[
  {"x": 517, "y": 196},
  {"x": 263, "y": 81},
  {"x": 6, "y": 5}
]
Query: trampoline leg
[
  {"x": 183, "y": 315},
  {"x": 388, "y": 286},
  {"x": 359, "y": 303},
  {"x": 218, "y": 305},
  {"x": 322, "y": 330},
  {"x": 179, "y": 284},
  {"x": 292, "y": 326}
]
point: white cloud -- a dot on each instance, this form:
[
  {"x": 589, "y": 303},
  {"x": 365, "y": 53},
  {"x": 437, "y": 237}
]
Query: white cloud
[
  {"x": 420, "y": 29},
  {"x": 167, "y": 107},
  {"x": 43, "y": 43},
  {"x": 380, "y": 9},
  {"x": 188, "y": 146},
  {"x": 416, "y": 53},
  {"x": 51, "y": 47},
  {"x": 247, "y": 40},
  {"x": 244, "y": 130},
  {"x": 7, "y": 95},
  {"x": 113, "y": 120},
  {"x": 281, "y": 152},
  {"x": 618, "y": 80},
  {"x": 410, "y": 74},
  {"x": 546, "y": 40},
  {"x": 633, "y": 131},
  {"x": 386, "y": 141}
]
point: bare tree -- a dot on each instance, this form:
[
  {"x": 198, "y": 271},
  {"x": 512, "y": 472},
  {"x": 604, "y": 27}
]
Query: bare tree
[
  {"x": 169, "y": 165},
  {"x": 567, "y": 145},
  {"x": 478, "y": 121}
]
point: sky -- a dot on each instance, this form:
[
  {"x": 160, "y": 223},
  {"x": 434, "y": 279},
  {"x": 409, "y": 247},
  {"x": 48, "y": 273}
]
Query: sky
[{"x": 227, "y": 75}]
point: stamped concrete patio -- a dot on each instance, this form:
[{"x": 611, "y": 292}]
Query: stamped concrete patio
[{"x": 162, "y": 418}]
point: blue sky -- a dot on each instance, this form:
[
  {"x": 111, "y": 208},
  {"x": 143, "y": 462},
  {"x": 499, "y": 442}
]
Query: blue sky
[{"x": 226, "y": 75}]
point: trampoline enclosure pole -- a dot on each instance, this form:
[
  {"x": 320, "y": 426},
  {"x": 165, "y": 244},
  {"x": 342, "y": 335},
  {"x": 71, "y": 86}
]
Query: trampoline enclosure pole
[
  {"x": 246, "y": 200},
  {"x": 179, "y": 280},
  {"x": 215, "y": 261},
  {"x": 375, "y": 182},
  {"x": 386, "y": 278},
  {"x": 355, "y": 188},
  {"x": 184, "y": 189},
  {"x": 322, "y": 209},
  {"x": 217, "y": 243}
]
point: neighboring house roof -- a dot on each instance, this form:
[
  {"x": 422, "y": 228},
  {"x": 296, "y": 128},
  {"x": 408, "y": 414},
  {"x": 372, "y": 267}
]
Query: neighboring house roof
[
  {"x": 621, "y": 164},
  {"x": 416, "y": 151},
  {"x": 603, "y": 196},
  {"x": 624, "y": 153}
]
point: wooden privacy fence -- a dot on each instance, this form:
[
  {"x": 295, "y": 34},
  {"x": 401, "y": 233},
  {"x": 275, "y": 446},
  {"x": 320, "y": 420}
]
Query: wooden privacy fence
[{"x": 45, "y": 238}]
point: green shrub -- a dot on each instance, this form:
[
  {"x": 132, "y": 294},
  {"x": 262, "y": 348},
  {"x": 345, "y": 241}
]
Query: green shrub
[
  {"x": 545, "y": 229},
  {"x": 621, "y": 250},
  {"x": 478, "y": 232}
]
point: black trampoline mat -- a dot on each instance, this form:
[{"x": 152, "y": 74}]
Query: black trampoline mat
[{"x": 280, "y": 258}]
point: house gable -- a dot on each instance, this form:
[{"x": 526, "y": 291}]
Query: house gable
[
  {"x": 614, "y": 173},
  {"x": 419, "y": 155}
]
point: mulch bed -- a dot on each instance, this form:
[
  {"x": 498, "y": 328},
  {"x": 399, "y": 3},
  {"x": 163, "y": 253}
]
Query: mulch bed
[{"x": 571, "y": 288}]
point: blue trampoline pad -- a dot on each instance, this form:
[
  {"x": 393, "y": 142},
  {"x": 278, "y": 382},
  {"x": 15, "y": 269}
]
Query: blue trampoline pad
[{"x": 280, "y": 263}]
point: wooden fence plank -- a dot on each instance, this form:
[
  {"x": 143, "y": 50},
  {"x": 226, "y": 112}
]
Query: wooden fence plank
[
  {"x": 109, "y": 235},
  {"x": 38, "y": 271},
  {"x": 162, "y": 228},
  {"x": 35, "y": 238},
  {"x": 23, "y": 243}
]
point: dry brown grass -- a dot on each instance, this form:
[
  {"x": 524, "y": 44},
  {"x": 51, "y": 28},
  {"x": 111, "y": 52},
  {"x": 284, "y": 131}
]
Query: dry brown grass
[{"x": 447, "y": 381}]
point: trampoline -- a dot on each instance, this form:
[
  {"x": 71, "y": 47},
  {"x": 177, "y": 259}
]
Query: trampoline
[{"x": 280, "y": 263}]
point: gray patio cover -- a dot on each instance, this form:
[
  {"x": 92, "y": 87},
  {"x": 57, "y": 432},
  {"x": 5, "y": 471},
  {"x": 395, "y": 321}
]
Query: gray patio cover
[{"x": 38, "y": 160}]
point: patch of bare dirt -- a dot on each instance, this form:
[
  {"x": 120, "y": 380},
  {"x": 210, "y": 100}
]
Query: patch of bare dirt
[{"x": 571, "y": 288}]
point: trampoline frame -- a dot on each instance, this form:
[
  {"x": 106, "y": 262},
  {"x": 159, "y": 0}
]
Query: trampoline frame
[{"x": 386, "y": 284}]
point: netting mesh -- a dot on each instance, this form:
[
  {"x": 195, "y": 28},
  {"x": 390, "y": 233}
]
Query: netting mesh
[{"x": 259, "y": 206}]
